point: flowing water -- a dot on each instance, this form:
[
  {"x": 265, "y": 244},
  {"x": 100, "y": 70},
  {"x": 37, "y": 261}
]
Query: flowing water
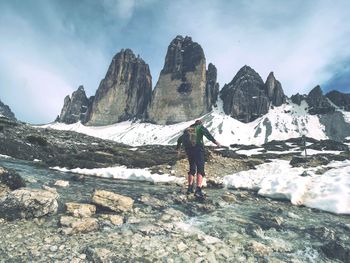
[{"x": 248, "y": 229}]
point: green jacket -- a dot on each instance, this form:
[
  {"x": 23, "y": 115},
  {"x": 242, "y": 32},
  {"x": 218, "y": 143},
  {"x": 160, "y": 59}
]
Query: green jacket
[{"x": 200, "y": 132}]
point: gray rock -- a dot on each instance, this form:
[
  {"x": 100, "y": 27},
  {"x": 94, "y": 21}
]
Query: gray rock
[
  {"x": 340, "y": 99},
  {"x": 75, "y": 225},
  {"x": 5, "y": 111},
  {"x": 297, "y": 98},
  {"x": 212, "y": 87},
  {"x": 124, "y": 93},
  {"x": 28, "y": 203},
  {"x": 80, "y": 210},
  {"x": 318, "y": 103},
  {"x": 98, "y": 255},
  {"x": 112, "y": 201},
  {"x": 244, "y": 97},
  {"x": 336, "y": 128},
  {"x": 274, "y": 91},
  {"x": 11, "y": 179},
  {"x": 180, "y": 93},
  {"x": 76, "y": 108}
]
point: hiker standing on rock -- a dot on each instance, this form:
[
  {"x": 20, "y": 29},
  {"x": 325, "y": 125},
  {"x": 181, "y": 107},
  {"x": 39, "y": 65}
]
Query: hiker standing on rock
[{"x": 192, "y": 140}]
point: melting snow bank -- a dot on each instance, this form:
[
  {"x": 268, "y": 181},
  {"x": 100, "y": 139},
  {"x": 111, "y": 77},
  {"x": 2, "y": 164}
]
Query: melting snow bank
[
  {"x": 329, "y": 191},
  {"x": 280, "y": 123},
  {"x": 124, "y": 173}
]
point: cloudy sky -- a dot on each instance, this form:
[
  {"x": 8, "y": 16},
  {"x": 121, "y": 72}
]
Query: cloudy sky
[{"x": 49, "y": 47}]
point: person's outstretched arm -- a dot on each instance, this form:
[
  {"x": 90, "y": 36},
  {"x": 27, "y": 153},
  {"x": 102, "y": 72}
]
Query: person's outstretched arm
[{"x": 208, "y": 135}]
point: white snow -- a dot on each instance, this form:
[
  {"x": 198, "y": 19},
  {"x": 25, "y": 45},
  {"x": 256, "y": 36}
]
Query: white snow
[
  {"x": 329, "y": 191},
  {"x": 5, "y": 156},
  {"x": 251, "y": 152},
  {"x": 286, "y": 121},
  {"x": 122, "y": 172}
]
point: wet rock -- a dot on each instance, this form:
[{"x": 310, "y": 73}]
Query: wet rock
[
  {"x": 4, "y": 189},
  {"x": 171, "y": 214},
  {"x": 229, "y": 198},
  {"x": 28, "y": 203},
  {"x": 335, "y": 250},
  {"x": 321, "y": 232},
  {"x": 152, "y": 201},
  {"x": 80, "y": 210},
  {"x": 73, "y": 225},
  {"x": 11, "y": 179},
  {"x": 116, "y": 220},
  {"x": 61, "y": 183},
  {"x": 259, "y": 248},
  {"x": 50, "y": 189},
  {"x": 112, "y": 201},
  {"x": 98, "y": 255}
]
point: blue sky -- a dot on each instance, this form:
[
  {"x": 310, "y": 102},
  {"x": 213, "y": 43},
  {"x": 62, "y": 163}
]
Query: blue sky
[{"x": 49, "y": 47}]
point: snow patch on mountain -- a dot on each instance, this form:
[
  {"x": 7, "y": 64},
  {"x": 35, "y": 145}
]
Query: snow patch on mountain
[{"x": 280, "y": 123}]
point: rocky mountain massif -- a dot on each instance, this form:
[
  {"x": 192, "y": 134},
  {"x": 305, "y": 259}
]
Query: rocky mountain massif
[
  {"x": 5, "y": 111},
  {"x": 76, "y": 108},
  {"x": 125, "y": 91},
  {"x": 247, "y": 97},
  {"x": 183, "y": 91}
]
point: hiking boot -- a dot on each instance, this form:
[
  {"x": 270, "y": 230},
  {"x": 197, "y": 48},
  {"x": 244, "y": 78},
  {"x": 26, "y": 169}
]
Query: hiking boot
[
  {"x": 199, "y": 192},
  {"x": 190, "y": 189}
]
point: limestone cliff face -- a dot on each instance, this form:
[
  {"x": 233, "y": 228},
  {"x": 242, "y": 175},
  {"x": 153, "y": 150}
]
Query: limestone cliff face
[
  {"x": 6, "y": 111},
  {"x": 244, "y": 97},
  {"x": 124, "y": 93},
  {"x": 180, "y": 93},
  {"x": 274, "y": 91},
  {"x": 75, "y": 108},
  {"x": 212, "y": 88}
]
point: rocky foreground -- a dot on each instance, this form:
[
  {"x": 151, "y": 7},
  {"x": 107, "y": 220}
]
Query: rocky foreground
[
  {"x": 52, "y": 217},
  {"x": 61, "y": 217}
]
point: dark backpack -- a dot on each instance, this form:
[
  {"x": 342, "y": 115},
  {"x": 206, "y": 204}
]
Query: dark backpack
[{"x": 189, "y": 138}]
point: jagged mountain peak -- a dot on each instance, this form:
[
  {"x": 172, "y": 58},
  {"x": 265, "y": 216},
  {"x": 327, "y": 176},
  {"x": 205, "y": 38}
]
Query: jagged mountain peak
[{"x": 5, "y": 111}]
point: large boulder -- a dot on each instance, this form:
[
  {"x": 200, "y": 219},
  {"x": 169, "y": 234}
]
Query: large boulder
[
  {"x": 340, "y": 99},
  {"x": 5, "y": 111},
  {"x": 112, "y": 201},
  {"x": 180, "y": 93},
  {"x": 76, "y": 108},
  {"x": 244, "y": 97},
  {"x": 124, "y": 93},
  {"x": 318, "y": 103},
  {"x": 28, "y": 203},
  {"x": 274, "y": 91}
]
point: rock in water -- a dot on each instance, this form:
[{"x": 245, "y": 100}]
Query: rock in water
[
  {"x": 5, "y": 111},
  {"x": 180, "y": 93},
  {"x": 318, "y": 103},
  {"x": 28, "y": 203},
  {"x": 274, "y": 91},
  {"x": 80, "y": 210},
  {"x": 76, "y": 108},
  {"x": 112, "y": 201},
  {"x": 244, "y": 97},
  {"x": 340, "y": 99},
  {"x": 124, "y": 93},
  {"x": 11, "y": 179}
]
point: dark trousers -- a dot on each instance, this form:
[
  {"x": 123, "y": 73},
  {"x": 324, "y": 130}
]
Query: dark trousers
[{"x": 195, "y": 156}]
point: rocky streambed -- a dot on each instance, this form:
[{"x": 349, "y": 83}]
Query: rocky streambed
[{"x": 160, "y": 224}]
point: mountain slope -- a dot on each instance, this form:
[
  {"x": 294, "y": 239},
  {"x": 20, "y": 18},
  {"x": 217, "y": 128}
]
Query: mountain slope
[{"x": 280, "y": 123}]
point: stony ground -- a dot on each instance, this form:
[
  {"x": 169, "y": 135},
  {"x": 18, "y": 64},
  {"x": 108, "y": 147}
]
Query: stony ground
[{"x": 164, "y": 225}]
